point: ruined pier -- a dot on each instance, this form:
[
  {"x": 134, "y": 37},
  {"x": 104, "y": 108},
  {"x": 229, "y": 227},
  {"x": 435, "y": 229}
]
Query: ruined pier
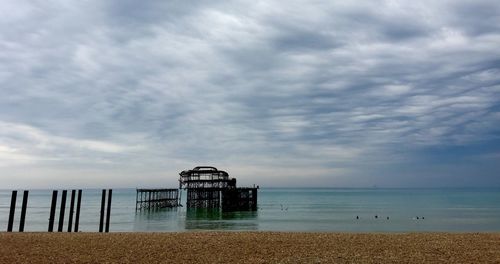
[{"x": 208, "y": 187}]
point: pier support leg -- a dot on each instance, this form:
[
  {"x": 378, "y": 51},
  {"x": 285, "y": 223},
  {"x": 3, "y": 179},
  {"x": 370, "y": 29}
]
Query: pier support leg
[
  {"x": 108, "y": 212},
  {"x": 61, "y": 211},
  {"x": 103, "y": 200},
  {"x": 23, "y": 211},
  {"x": 254, "y": 198},
  {"x": 77, "y": 216},
  {"x": 71, "y": 210},
  {"x": 52, "y": 211},
  {"x": 12, "y": 211}
]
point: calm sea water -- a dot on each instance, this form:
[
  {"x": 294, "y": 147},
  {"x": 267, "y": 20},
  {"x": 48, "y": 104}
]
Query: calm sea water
[{"x": 280, "y": 209}]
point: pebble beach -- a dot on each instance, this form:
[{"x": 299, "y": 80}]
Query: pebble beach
[{"x": 249, "y": 247}]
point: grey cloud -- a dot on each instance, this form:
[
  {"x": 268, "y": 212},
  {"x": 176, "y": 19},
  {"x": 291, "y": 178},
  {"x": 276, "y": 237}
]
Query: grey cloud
[
  {"x": 314, "y": 87},
  {"x": 476, "y": 17},
  {"x": 305, "y": 40}
]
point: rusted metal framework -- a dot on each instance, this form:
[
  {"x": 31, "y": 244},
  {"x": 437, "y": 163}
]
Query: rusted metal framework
[
  {"x": 203, "y": 198},
  {"x": 208, "y": 187},
  {"x": 239, "y": 199},
  {"x": 205, "y": 177},
  {"x": 156, "y": 198}
]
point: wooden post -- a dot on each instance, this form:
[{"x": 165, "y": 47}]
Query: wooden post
[
  {"x": 149, "y": 199},
  {"x": 62, "y": 209},
  {"x": 179, "y": 197},
  {"x": 52, "y": 211},
  {"x": 254, "y": 197},
  {"x": 108, "y": 213},
  {"x": 77, "y": 216},
  {"x": 12, "y": 211},
  {"x": 23, "y": 211},
  {"x": 103, "y": 200},
  {"x": 71, "y": 210}
]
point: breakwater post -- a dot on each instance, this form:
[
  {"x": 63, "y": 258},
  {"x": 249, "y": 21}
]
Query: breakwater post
[
  {"x": 103, "y": 205},
  {"x": 108, "y": 213},
  {"x": 52, "y": 211},
  {"x": 101, "y": 218},
  {"x": 13, "y": 199},
  {"x": 23, "y": 211},
  {"x": 73, "y": 222},
  {"x": 71, "y": 209},
  {"x": 62, "y": 210},
  {"x": 77, "y": 216}
]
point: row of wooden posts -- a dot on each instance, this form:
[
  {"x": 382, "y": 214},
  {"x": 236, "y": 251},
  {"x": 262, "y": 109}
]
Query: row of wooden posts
[{"x": 71, "y": 226}]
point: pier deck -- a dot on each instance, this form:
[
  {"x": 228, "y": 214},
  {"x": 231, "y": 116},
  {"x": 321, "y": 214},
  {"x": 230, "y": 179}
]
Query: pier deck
[{"x": 156, "y": 198}]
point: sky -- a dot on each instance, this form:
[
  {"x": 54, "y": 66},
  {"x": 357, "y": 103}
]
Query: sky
[{"x": 125, "y": 93}]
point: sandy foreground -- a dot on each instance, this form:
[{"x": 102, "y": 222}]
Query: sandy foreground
[{"x": 249, "y": 247}]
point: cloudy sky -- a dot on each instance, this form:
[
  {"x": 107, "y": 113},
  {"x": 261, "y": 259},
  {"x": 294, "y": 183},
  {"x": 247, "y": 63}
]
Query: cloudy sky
[{"x": 125, "y": 93}]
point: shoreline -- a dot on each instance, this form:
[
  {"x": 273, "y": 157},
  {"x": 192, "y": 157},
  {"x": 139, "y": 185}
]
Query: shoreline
[{"x": 249, "y": 247}]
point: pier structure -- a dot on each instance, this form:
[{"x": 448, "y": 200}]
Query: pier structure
[
  {"x": 239, "y": 199},
  {"x": 208, "y": 187},
  {"x": 156, "y": 198}
]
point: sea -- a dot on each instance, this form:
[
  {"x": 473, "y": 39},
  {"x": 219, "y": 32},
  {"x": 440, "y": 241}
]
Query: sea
[{"x": 284, "y": 209}]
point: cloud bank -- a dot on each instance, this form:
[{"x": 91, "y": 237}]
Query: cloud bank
[{"x": 311, "y": 93}]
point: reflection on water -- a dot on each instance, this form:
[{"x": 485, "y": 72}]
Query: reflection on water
[
  {"x": 176, "y": 219},
  {"x": 165, "y": 219},
  {"x": 216, "y": 219},
  {"x": 156, "y": 214}
]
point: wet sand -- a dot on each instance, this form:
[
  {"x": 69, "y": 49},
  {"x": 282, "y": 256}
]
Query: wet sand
[{"x": 249, "y": 247}]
